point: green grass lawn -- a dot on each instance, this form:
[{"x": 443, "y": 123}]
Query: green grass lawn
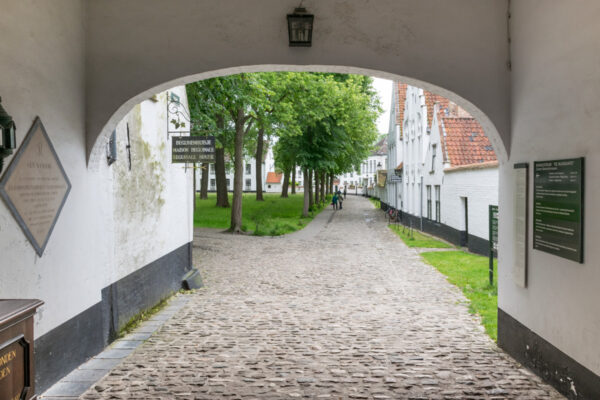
[
  {"x": 418, "y": 239},
  {"x": 375, "y": 202},
  {"x": 470, "y": 273},
  {"x": 275, "y": 216}
]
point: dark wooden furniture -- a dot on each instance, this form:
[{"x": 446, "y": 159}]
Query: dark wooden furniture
[{"x": 17, "y": 375}]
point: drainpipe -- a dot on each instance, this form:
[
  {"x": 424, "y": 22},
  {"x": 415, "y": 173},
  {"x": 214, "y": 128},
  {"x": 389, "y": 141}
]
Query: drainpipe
[{"x": 421, "y": 204}]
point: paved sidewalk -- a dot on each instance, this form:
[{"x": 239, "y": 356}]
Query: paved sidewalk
[
  {"x": 343, "y": 310},
  {"x": 87, "y": 374}
]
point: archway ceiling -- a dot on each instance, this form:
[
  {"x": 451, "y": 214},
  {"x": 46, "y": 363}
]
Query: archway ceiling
[{"x": 135, "y": 48}]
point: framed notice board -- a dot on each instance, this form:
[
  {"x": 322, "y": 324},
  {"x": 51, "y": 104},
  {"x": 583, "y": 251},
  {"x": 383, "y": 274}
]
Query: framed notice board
[
  {"x": 521, "y": 216},
  {"x": 558, "y": 208}
]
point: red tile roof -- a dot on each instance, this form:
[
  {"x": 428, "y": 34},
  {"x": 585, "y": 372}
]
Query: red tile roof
[
  {"x": 430, "y": 100},
  {"x": 273, "y": 177},
  {"x": 400, "y": 101},
  {"x": 464, "y": 142}
]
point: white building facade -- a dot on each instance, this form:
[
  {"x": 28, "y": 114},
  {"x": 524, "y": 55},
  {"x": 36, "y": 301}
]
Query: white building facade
[
  {"x": 268, "y": 166},
  {"x": 446, "y": 171}
]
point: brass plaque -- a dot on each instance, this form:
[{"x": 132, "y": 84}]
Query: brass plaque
[
  {"x": 35, "y": 187},
  {"x": 14, "y": 379}
]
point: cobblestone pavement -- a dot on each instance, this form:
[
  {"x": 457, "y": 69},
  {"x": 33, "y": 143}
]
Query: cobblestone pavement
[{"x": 340, "y": 310}]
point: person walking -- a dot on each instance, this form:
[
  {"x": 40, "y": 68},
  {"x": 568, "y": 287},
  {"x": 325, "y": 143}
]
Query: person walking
[
  {"x": 334, "y": 201},
  {"x": 340, "y": 199},
  {"x": 344, "y": 192}
]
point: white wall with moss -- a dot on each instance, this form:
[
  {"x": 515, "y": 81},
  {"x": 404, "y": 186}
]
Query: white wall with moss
[{"x": 152, "y": 198}]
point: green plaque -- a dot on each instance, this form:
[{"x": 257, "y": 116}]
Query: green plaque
[
  {"x": 558, "y": 208},
  {"x": 493, "y": 225}
]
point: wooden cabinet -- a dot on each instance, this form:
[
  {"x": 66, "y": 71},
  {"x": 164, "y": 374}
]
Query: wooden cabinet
[{"x": 17, "y": 375}]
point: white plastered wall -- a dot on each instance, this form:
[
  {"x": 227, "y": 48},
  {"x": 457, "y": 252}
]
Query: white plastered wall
[
  {"x": 555, "y": 115},
  {"x": 42, "y": 45},
  {"x": 43, "y": 74},
  {"x": 152, "y": 201},
  {"x": 480, "y": 187}
]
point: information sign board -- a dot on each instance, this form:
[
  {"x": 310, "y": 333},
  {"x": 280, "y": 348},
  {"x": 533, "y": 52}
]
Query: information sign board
[
  {"x": 520, "y": 223},
  {"x": 193, "y": 149},
  {"x": 35, "y": 187},
  {"x": 493, "y": 224},
  {"x": 493, "y": 238},
  {"x": 558, "y": 208}
]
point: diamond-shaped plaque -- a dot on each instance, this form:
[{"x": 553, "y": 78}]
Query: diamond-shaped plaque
[{"x": 35, "y": 186}]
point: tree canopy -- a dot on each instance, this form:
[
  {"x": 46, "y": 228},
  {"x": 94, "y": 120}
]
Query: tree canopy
[{"x": 317, "y": 121}]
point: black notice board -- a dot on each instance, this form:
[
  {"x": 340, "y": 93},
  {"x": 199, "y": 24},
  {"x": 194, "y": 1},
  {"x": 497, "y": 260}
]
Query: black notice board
[
  {"x": 193, "y": 149},
  {"x": 558, "y": 207}
]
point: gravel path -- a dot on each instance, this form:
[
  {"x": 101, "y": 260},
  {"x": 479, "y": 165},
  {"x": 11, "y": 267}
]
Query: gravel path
[{"x": 340, "y": 310}]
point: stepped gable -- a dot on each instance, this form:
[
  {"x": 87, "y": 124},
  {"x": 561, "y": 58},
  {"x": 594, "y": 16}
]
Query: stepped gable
[
  {"x": 464, "y": 142},
  {"x": 400, "y": 103},
  {"x": 430, "y": 101}
]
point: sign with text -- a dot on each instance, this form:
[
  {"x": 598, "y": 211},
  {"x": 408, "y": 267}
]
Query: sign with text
[
  {"x": 35, "y": 187},
  {"x": 13, "y": 383},
  {"x": 193, "y": 149},
  {"x": 521, "y": 216},
  {"x": 558, "y": 208}
]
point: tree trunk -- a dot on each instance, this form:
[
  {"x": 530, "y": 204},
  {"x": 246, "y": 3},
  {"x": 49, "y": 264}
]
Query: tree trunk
[
  {"x": 327, "y": 191},
  {"x": 204, "y": 182},
  {"x": 286, "y": 183},
  {"x": 222, "y": 199},
  {"x": 294, "y": 179},
  {"x": 238, "y": 174},
  {"x": 331, "y": 183},
  {"x": 323, "y": 184},
  {"x": 306, "y": 194},
  {"x": 317, "y": 190},
  {"x": 259, "y": 156},
  {"x": 311, "y": 197}
]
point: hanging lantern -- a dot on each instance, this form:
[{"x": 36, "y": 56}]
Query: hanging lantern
[{"x": 300, "y": 25}]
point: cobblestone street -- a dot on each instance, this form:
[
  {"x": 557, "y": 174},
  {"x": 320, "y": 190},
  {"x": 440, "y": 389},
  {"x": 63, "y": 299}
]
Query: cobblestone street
[{"x": 340, "y": 310}]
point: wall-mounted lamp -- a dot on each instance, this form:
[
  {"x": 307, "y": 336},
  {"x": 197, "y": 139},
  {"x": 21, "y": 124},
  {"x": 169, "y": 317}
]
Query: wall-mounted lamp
[
  {"x": 300, "y": 26},
  {"x": 379, "y": 165},
  {"x": 8, "y": 138}
]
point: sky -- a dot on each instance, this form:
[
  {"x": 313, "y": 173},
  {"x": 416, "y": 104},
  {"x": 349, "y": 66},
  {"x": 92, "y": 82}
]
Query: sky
[{"x": 384, "y": 89}]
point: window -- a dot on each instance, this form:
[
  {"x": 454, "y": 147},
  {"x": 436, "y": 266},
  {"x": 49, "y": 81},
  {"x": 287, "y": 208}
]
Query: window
[
  {"x": 428, "y": 201},
  {"x": 248, "y": 169},
  {"x": 433, "y": 152},
  {"x": 437, "y": 203},
  {"x": 227, "y": 183},
  {"x": 248, "y": 182},
  {"x": 212, "y": 183},
  {"x": 212, "y": 169}
]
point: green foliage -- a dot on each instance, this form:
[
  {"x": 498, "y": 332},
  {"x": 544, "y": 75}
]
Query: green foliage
[
  {"x": 273, "y": 217},
  {"x": 322, "y": 122},
  {"x": 470, "y": 273},
  {"x": 414, "y": 238},
  {"x": 376, "y": 203}
]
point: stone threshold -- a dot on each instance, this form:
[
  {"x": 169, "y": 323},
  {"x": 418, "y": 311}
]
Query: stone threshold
[{"x": 86, "y": 375}]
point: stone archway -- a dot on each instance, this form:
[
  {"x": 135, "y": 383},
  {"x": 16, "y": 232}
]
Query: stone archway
[
  {"x": 457, "y": 49},
  {"x": 97, "y": 150}
]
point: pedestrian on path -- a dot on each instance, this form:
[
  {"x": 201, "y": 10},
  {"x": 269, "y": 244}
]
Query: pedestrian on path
[
  {"x": 334, "y": 201},
  {"x": 344, "y": 192},
  {"x": 340, "y": 198}
]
